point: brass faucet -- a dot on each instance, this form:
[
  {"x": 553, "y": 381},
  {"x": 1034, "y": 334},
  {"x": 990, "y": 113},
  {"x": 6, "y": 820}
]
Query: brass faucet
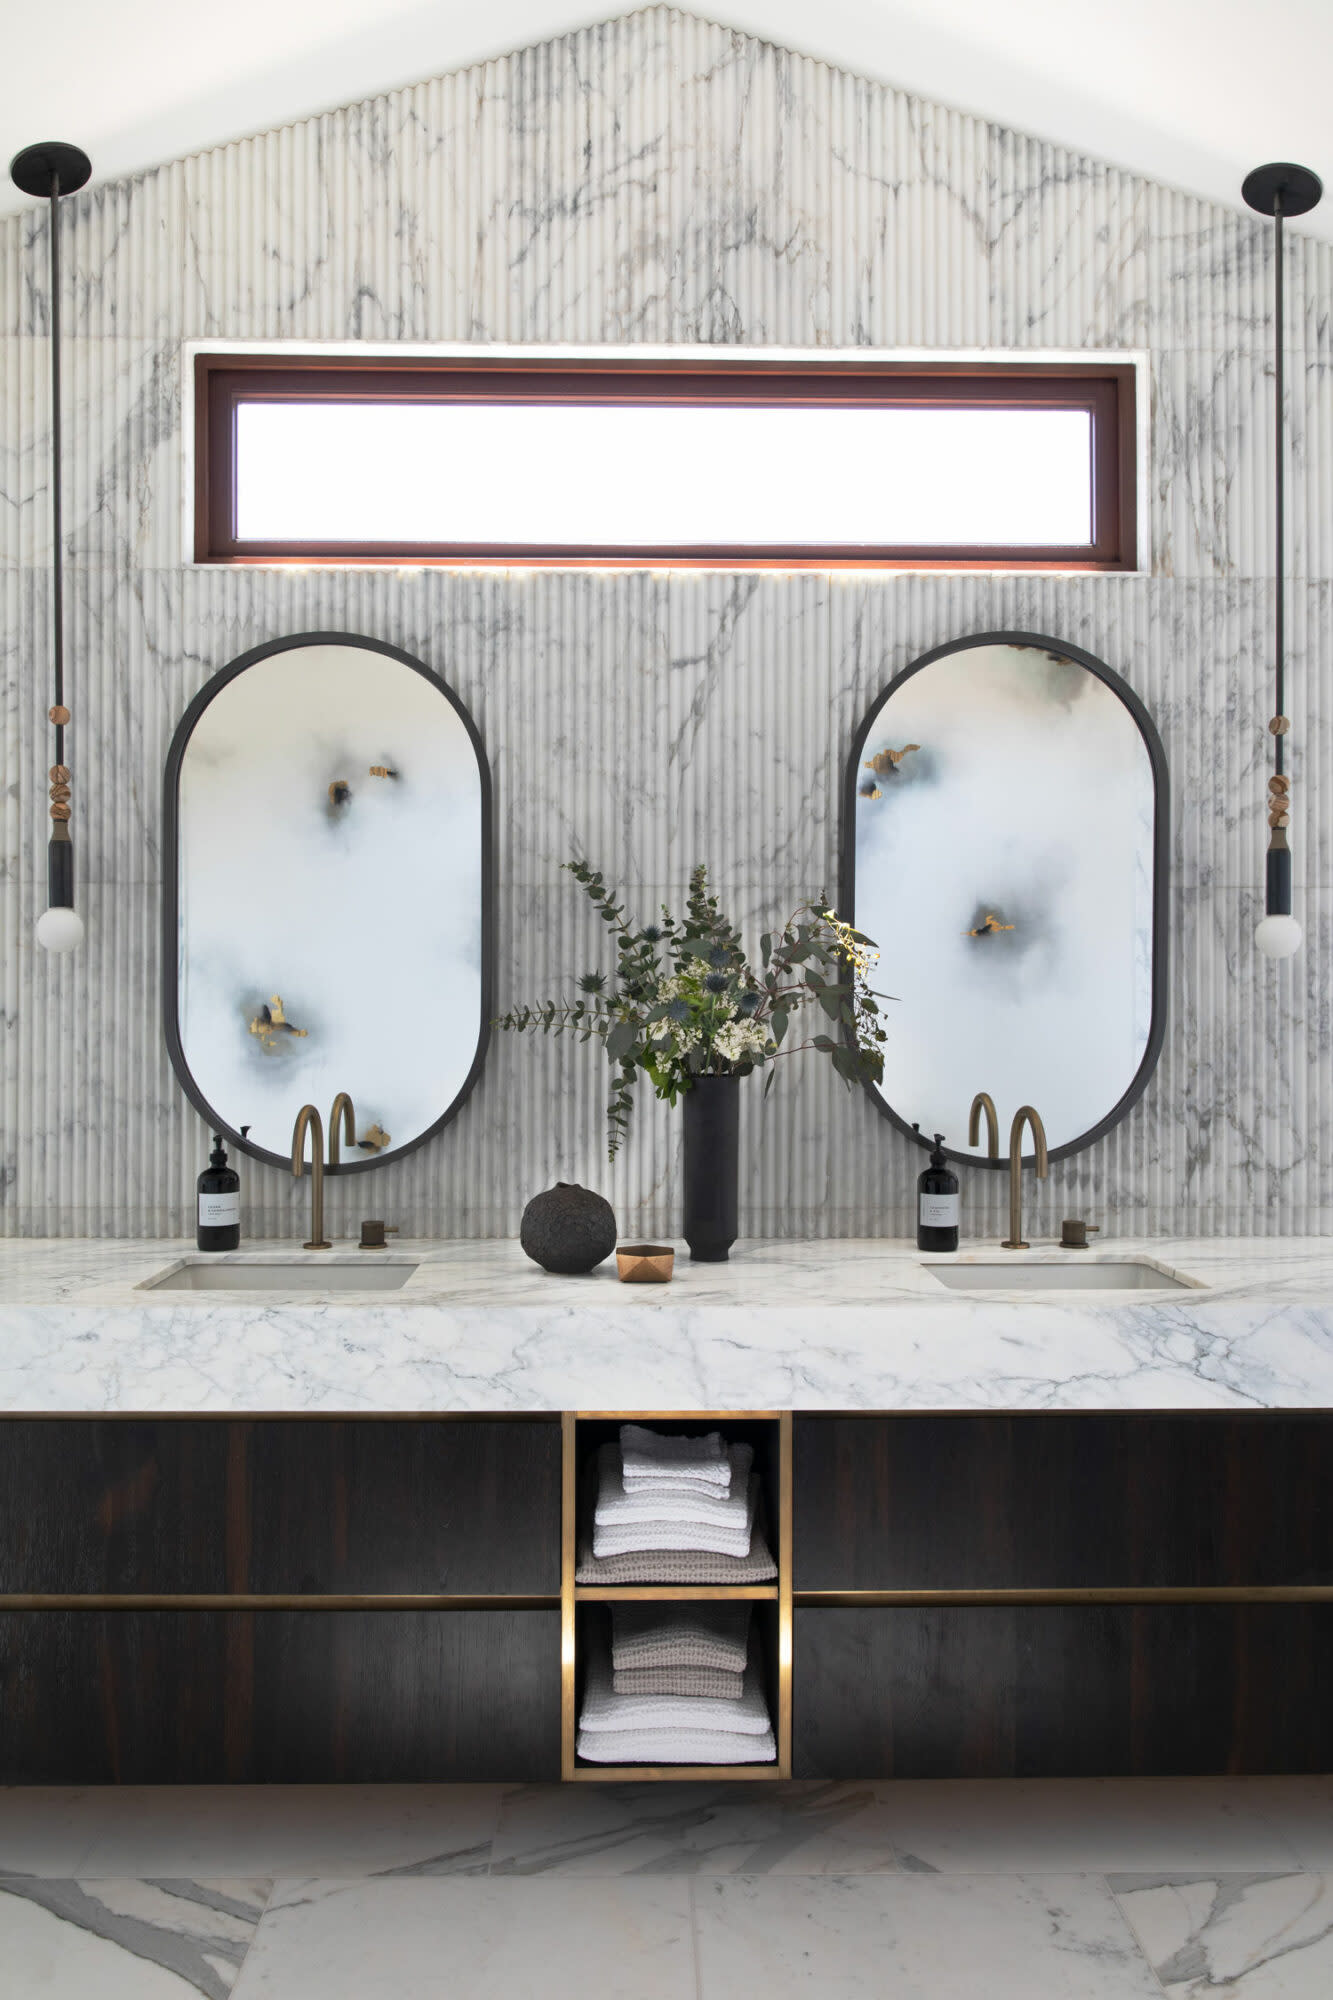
[
  {"x": 983, "y": 1101},
  {"x": 1025, "y": 1115},
  {"x": 344, "y": 1112},
  {"x": 309, "y": 1120}
]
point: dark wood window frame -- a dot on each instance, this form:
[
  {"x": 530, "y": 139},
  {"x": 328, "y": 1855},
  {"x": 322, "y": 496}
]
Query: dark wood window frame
[{"x": 1105, "y": 390}]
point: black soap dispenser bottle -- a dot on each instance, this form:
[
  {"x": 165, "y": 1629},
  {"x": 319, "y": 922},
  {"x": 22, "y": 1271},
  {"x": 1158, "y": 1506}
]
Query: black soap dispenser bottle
[
  {"x": 219, "y": 1202},
  {"x": 937, "y": 1202}
]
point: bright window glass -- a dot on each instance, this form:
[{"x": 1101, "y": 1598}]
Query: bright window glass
[{"x": 573, "y": 475}]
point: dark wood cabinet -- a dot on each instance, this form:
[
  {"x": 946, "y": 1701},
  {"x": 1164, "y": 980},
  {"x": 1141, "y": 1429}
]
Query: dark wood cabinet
[
  {"x": 1096, "y": 1690},
  {"x": 278, "y": 1697},
  {"x": 1206, "y": 1498},
  {"x": 367, "y": 1506}
]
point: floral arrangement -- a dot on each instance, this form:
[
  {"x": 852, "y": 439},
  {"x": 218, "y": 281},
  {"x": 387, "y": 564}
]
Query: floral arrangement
[{"x": 685, "y": 1002}]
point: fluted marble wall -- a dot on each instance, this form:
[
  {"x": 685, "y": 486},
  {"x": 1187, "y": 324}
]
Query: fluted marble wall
[{"x": 661, "y": 179}]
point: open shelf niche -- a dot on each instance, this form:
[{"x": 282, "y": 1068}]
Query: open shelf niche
[{"x": 770, "y": 1432}]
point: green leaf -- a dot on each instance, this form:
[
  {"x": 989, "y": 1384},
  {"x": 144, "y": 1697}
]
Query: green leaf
[{"x": 621, "y": 1039}]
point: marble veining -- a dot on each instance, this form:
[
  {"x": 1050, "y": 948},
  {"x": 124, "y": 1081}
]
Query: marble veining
[
  {"x": 127, "y": 1940},
  {"x": 661, "y": 179},
  {"x": 784, "y": 1326}
]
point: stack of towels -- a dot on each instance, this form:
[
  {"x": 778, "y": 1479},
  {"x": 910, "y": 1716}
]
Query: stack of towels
[
  {"x": 678, "y": 1684},
  {"x": 674, "y": 1683},
  {"x": 673, "y": 1510}
]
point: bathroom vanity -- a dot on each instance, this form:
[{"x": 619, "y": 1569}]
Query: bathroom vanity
[{"x": 294, "y": 1535}]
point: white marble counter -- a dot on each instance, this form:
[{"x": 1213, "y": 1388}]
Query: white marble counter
[{"x": 816, "y": 1325}]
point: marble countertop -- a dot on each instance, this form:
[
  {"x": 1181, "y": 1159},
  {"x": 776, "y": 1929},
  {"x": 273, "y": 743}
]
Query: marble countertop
[{"x": 783, "y": 1325}]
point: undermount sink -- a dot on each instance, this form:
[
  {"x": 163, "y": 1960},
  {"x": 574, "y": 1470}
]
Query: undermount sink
[
  {"x": 1092, "y": 1275},
  {"x": 309, "y": 1275}
]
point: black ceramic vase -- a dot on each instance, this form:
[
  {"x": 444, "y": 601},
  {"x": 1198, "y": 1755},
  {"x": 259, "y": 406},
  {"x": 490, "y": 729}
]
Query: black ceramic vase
[
  {"x": 712, "y": 1111},
  {"x": 568, "y": 1230}
]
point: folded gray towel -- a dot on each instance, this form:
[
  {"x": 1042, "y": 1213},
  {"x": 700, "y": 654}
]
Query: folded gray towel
[
  {"x": 711, "y": 1638},
  {"x": 704, "y": 1682},
  {"x": 603, "y": 1709}
]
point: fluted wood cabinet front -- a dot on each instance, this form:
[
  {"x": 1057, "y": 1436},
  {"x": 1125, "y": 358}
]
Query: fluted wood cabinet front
[
  {"x": 279, "y": 1696},
  {"x": 278, "y": 1599},
  {"x": 1052, "y": 1595}
]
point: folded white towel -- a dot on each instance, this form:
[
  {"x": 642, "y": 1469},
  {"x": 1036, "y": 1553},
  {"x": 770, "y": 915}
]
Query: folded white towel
[
  {"x": 606, "y": 1711},
  {"x": 705, "y": 1636},
  {"x": 653, "y": 1452},
  {"x": 671, "y": 1565},
  {"x": 626, "y": 1537},
  {"x": 706, "y": 1489},
  {"x": 675, "y": 1746},
  {"x": 618, "y": 1506}
]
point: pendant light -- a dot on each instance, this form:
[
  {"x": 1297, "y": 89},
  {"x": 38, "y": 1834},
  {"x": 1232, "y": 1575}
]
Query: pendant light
[
  {"x": 50, "y": 171},
  {"x": 1280, "y": 190}
]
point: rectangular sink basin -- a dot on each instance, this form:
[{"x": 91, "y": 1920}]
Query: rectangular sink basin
[
  {"x": 1084, "y": 1276},
  {"x": 310, "y": 1275}
]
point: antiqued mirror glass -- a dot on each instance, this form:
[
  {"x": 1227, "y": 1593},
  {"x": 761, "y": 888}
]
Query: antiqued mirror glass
[
  {"x": 327, "y": 911},
  {"x": 1005, "y": 826}
]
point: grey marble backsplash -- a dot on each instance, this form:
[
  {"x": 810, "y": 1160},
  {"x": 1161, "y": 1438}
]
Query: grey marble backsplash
[{"x": 661, "y": 179}]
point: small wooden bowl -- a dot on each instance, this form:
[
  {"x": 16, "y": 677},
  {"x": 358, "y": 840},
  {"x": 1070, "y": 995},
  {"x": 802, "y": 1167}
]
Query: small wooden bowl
[{"x": 645, "y": 1263}]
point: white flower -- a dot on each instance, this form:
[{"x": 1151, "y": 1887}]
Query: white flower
[{"x": 740, "y": 1041}]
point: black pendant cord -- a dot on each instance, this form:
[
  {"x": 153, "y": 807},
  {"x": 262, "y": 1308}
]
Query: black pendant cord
[
  {"x": 1279, "y": 504},
  {"x": 47, "y": 172},
  {"x": 57, "y": 526}
]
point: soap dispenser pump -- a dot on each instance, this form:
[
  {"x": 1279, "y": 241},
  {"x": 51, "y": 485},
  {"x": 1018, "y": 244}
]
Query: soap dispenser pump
[
  {"x": 937, "y": 1203},
  {"x": 219, "y": 1205}
]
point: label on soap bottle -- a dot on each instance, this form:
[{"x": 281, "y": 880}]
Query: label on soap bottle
[
  {"x": 219, "y": 1211},
  {"x": 939, "y": 1211}
]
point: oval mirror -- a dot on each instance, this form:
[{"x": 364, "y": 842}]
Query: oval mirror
[
  {"x": 327, "y": 919},
  {"x": 1005, "y": 828}
]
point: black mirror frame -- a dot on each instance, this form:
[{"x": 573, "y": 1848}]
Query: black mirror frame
[
  {"x": 171, "y": 893},
  {"x": 1161, "y": 872}
]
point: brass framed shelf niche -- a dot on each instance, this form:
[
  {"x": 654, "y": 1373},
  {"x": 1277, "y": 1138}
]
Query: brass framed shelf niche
[{"x": 770, "y": 1431}]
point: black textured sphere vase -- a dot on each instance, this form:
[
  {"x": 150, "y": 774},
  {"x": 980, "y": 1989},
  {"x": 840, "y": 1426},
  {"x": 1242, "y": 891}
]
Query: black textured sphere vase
[
  {"x": 568, "y": 1229},
  {"x": 712, "y": 1110}
]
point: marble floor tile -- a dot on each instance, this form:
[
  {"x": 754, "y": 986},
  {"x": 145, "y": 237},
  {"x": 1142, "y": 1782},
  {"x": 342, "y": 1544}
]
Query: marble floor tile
[
  {"x": 452, "y": 1940},
  {"x": 1301, "y": 1811},
  {"x": 753, "y": 1829},
  {"x": 1091, "y": 1825},
  {"x": 43, "y": 1829},
  {"x": 1248, "y": 1937},
  {"x": 332, "y": 1830},
  {"x": 125, "y": 1940},
  {"x": 931, "y": 1938}
]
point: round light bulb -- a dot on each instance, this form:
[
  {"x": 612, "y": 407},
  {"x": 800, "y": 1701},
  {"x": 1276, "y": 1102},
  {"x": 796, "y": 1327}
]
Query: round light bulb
[
  {"x": 60, "y": 929},
  {"x": 1278, "y": 937}
]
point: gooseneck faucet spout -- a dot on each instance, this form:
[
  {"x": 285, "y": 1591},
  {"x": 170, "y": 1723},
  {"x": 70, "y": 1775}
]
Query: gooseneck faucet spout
[
  {"x": 342, "y": 1115},
  {"x": 1025, "y": 1115},
  {"x": 983, "y": 1101},
  {"x": 309, "y": 1120}
]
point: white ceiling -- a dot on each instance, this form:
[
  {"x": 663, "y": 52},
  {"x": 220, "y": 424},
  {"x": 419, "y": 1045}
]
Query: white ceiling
[{"x": 1192, "y": 92}]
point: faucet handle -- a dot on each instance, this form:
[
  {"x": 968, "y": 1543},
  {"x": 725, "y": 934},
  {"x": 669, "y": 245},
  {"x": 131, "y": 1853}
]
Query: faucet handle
[
  {"x": 374, "y": 1233},
  {"x": 1074, "y": 1234}
]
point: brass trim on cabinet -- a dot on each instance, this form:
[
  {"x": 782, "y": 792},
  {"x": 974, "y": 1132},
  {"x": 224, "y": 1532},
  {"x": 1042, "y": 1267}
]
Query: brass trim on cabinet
[
  {"x": 569, "y": 1498},
  {"x": 240, "y": 1600},
  {"x": 1241, "y": 1593},
  {"x": 785, "y": 1540}
]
